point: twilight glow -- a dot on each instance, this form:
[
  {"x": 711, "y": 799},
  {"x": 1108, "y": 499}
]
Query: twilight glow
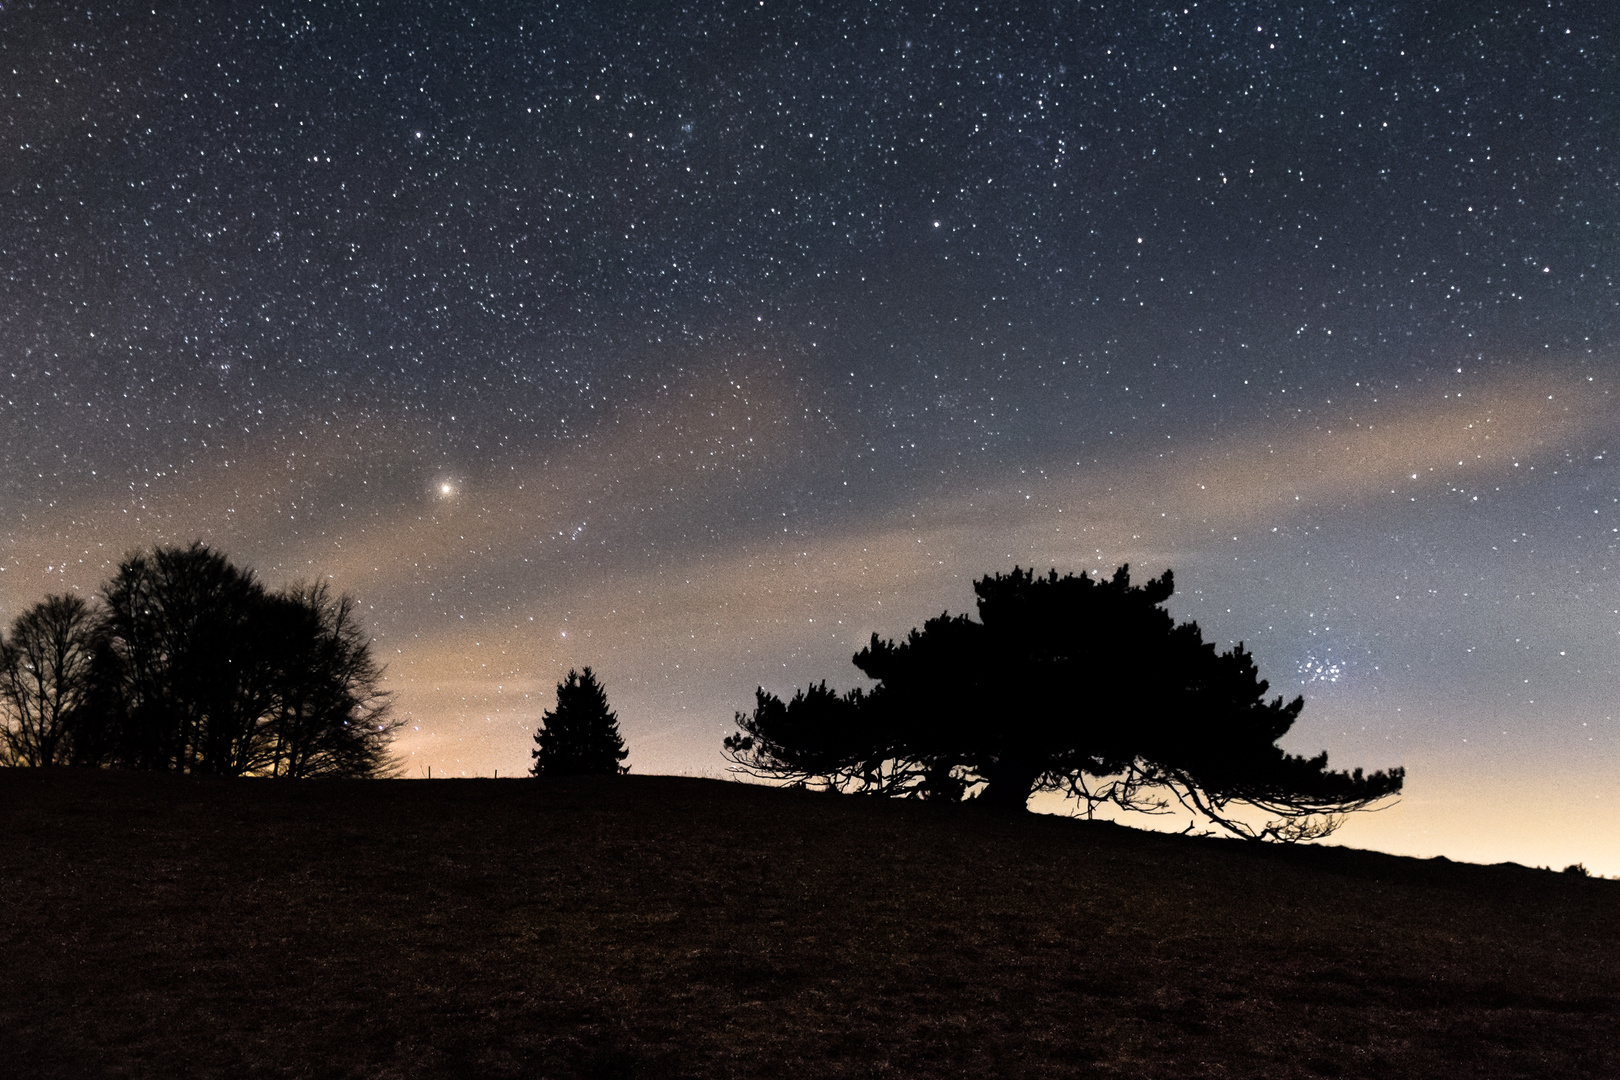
[{"x": 698, "y": 346}]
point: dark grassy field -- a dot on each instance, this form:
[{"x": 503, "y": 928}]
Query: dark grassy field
[{"x": 662, "y": 927}]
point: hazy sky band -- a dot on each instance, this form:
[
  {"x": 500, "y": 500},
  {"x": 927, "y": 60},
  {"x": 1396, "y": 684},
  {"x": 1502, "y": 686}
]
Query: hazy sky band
[{"x": 717, "y": 339}]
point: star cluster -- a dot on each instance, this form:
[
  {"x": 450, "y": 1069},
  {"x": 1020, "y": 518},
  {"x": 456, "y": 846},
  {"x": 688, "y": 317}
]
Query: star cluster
[{"x": 696, "y": 343}]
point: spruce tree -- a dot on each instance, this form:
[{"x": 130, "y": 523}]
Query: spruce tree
[{"x": 580, "y": 737}]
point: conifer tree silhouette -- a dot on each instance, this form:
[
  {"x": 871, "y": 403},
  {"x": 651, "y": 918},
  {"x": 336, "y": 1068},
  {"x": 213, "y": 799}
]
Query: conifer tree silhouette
[
  {"x": 1075, "y": 684},
  {"x": 580, "y": 737}
]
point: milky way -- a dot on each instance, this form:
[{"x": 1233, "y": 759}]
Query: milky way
[{"x": 697, "y": 345}]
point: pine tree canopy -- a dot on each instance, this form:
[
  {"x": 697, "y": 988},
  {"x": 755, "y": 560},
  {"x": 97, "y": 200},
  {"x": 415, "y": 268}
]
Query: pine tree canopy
[
  {"x": 1070, "y": 684},
  {"x": 580, "y": 737}
]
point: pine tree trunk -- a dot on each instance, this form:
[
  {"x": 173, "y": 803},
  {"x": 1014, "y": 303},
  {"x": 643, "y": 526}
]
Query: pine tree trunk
[{"x": 1009, "y": 784}]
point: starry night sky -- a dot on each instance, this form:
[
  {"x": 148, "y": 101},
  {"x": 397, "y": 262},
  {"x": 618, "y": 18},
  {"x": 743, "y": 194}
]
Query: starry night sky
[{"x": 698, "y": 344}]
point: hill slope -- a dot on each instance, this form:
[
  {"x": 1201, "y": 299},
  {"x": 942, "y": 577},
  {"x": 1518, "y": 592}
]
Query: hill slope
[{"x": 657, "y": 926}]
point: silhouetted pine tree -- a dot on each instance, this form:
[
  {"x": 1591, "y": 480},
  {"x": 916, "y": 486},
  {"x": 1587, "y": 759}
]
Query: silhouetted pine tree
[
  {"x": 1078, "y": 684},
  {"x": 580, "y": 736}
]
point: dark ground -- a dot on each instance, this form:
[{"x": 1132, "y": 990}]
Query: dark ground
[{"x": 160, "y": 926}]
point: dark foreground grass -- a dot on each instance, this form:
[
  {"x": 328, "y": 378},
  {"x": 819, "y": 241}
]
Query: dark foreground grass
[{"x": 662, "y": 927}]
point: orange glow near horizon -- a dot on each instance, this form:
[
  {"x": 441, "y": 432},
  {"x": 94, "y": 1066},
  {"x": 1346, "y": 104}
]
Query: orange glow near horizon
[{"x": 682, "y": 638}]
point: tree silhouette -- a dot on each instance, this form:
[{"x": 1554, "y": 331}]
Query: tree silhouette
[
  {"x": 328, "y": 715},
  {"x": 1076, "y": 684},
  {"x": 204, "y": 671},
  {"x": 580, "y": 736},
  {"x": 188, "y": 685},
  {"x": 45, "y": 682}
]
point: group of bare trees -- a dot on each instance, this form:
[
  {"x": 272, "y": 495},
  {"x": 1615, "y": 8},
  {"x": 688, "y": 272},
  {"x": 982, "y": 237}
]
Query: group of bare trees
[{"x": 190, "y": 664}]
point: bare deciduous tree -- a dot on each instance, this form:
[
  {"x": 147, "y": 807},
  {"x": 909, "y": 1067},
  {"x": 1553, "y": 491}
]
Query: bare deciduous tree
[{"x": 45, "y": 681}]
